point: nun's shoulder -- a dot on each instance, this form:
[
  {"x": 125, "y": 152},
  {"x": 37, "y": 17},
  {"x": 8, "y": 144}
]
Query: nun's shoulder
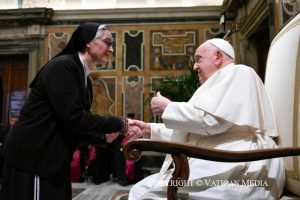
[
  {"x": 64, "y": 58},
  {"x": 63, "y": 63},
  {"x": 69, "y": 60}
]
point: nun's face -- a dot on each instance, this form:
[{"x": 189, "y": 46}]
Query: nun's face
[{"x": 100, "y": 48}]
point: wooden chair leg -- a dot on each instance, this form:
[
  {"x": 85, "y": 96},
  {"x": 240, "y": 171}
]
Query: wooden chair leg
[{"x": 179, "y": 176}]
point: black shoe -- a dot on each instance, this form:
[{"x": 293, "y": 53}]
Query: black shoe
[
  {"x": 97, "y": 181},
  {"x": 124, "y": 182},
  {"x": 81, "y": 180}
]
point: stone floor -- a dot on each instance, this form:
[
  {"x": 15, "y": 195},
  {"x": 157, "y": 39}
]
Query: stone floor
[{"x": 104, "y": 191}]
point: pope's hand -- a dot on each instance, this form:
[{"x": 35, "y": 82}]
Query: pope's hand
[
  {"x": 134, "y": 132},
  {"x": 137, "y": 129},
  {"x": 159, "y": 103}
]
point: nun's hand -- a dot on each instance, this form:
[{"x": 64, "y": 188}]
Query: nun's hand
[
  {"x": 111, "y": 137},
  {"x": 138, "y": 129}
]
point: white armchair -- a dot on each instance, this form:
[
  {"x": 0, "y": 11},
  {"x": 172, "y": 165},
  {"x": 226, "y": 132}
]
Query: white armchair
[{"x": 282, "y": 82}]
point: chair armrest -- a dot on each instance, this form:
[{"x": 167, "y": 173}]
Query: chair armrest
[
  {"x": 180, "y": 152},
  {"x": 132, "y": 151}
]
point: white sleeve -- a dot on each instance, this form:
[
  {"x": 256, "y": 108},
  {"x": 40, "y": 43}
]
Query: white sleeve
[
  {"x": 160, "y": 132},
  {"x": 185, "y": 117}
]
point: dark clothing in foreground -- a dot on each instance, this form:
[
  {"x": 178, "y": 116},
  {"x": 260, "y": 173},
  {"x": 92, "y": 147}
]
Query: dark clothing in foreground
[
  {"x": 15, "y": 179},
  {"x": 54, "y": 118}
]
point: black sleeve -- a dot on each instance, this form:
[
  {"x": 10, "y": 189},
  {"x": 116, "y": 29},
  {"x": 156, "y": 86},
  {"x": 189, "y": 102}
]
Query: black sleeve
[
  {"x": 63, "y": 83},
  {"x": 93, "y": 139}
]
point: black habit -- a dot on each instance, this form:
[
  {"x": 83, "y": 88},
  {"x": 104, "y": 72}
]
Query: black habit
[{"x": 54, "y": 118}]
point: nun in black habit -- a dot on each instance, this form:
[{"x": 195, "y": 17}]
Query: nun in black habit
[{"x": 55, "y": 117}]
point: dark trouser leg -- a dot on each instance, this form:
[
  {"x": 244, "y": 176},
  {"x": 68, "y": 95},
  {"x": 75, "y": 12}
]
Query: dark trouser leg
[{"x": 18, "y": 184}]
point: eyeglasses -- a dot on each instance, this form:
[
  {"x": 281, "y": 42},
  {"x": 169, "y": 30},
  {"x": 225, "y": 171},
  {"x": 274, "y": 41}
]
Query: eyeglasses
[{"x": 107, "y": 41}]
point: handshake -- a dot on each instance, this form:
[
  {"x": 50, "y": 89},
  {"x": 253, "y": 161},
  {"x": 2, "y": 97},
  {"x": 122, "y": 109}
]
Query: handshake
[
  {"x": 138, "y": 129},
  {"x": 134, "y": 129}
]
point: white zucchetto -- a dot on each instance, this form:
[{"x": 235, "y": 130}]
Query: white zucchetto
[{"x": 223, "y": 45}]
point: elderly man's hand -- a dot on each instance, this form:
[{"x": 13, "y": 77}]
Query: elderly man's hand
[
  {"x": 159, "y": 103},
  {"x": 137, "y": 129}
]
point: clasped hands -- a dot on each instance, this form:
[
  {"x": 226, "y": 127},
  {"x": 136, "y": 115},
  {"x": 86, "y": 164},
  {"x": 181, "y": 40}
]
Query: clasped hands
[
  {"x": 136, "y": 129},
  {"x": 139, "y": 129}
]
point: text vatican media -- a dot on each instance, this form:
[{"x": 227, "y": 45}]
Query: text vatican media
[{"x": 215, "y": 183}]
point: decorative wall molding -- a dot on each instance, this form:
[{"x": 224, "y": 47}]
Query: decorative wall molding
[
  {"x": 250, "y": 17},
  {"x": 23, "y": 32},
  {"x": 141, "y": 15},
  {"x": 289, "y": 9},
  {"x": 26, "y": 16}
]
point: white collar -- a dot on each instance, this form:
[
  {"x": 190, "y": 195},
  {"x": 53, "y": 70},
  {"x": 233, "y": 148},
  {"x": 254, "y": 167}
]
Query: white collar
[{"x": 86, "y": 70}]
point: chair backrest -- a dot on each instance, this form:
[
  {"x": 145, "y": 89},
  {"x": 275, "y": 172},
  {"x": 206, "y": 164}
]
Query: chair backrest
[{"x": 282, "y": 82}]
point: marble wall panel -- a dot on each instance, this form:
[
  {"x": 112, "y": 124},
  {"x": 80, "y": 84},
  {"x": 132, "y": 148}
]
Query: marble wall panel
[
  {"x": 104, "y": 95},
  {"x": 172, "y": 49},
  {"x": 133, "y": 92},
  {"x": 133, "y": 50},
  {"x": 56, "y": 43}
]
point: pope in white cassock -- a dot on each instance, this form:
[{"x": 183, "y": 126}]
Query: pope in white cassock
[{"x": 231, "y": 111}]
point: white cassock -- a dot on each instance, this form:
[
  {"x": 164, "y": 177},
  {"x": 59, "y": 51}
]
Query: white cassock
[{"x": 230, "y": 111}]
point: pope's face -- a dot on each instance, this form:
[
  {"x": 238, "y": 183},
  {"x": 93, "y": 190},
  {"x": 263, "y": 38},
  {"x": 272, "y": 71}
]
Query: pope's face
[
  {"x": 100, "y": 48},
  {"x": 205, "y": 62}
]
